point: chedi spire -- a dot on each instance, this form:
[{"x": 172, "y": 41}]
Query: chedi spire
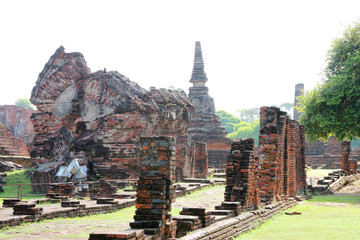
[{"x": 198, "y": 73}]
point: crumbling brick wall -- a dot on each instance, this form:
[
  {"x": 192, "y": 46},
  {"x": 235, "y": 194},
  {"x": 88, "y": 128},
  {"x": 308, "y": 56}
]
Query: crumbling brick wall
[
  {"x": 18, "y": 120},
  {"x": 281, "y": 155},
  {"x": 241, "y": 175},
  {"x": 101, "y": 115},
  {"x": 201, "y": 160},
  {"x": 10, "y": 145}
]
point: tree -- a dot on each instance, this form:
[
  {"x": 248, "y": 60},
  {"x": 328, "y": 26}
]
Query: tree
[
  {"x": 24, "y": 102},
  {"x": 249, "y": 115},
  {"x": 332, "y": 108},
  {"x": 227, "y": 120}
]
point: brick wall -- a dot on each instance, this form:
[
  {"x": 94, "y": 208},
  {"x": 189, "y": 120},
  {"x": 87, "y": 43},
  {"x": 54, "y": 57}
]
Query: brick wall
[{"x": 201, "y": 160}]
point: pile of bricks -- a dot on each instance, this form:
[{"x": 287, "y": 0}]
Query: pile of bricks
[
  {"x": 241, "y": 184},
  {"x": 106, "y": 201},
  {"x": 71, "y": 204},
  {"x": 10, "y": 202},
  {"x": 186, "y": 223},
  {"x": 232, "y": 206},
  {"x": 103, "y": 188},
  {"x": 201, "y": 160},
  {"x": 26, "y": 208},
  {"x": 204, "y": 216},
  {"x": 155, "y": 192},
  {"x": 61, "y": 189}
]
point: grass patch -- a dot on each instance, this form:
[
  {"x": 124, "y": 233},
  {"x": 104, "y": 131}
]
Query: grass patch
[
  {"x": 316, "y": 222},
  {"x": 18, "y": 177},
  {"x": 335, "y": 199}
]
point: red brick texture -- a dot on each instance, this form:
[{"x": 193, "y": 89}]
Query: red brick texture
[
  {"x": 281, "y": 156},
  {"x": 101, "y": 116},
  {"x": 155, "y": 191},
  {"x": 10, "y": 145},
  {"x": 241, "y": 174}
]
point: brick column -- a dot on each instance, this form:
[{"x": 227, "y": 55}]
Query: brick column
[
  {"x": 292, "y": 156},
  {"x": 353, "y": 166},
  {"x": 345, "y": 152},
  {"x": 155, "y": 191},
  {"x": 268, "y": 143},
  {"x": 201, "y": 160},
  {"x": 301, "y": 165},
  {"x": 240, "y": 174}
]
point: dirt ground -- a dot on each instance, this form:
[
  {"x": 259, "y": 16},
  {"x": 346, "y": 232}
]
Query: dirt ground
[{"x": 79, "y": 228}]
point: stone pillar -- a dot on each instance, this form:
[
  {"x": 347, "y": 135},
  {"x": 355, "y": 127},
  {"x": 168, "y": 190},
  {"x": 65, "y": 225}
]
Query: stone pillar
[
  {"x": 155, "y": 192},
  {"x": 201, "y": 160},
  {"x": 345, "y": 152},
  {"x": 240, "y": 174},
  {"x": 299, "y": 89}
]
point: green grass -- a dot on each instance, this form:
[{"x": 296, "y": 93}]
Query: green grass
[
  {"x": 335, "y": 199},
  {"x": 17, "y": 177},
  {"x": 317, "y": 221}
]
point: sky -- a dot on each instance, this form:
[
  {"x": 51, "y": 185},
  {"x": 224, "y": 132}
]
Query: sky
[{"x": 255, "y": 52}]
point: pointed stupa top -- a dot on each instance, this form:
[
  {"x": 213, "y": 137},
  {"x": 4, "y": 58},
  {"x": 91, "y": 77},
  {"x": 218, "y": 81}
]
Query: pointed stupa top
[{"x": 198, "y": 73}]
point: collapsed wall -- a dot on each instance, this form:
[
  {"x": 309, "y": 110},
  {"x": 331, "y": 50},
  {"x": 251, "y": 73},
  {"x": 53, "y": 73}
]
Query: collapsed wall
[
  {"x": 17, "y": 119},
  {"x": 101, "y": 116},
  {"x": 278, "y": 171},
  {"x": 10, "y": 145}
]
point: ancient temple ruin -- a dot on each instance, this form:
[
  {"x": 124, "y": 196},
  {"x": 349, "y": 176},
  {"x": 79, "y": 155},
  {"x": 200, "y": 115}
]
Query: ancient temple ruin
[
  {"x": 99, "y": 118},
  {"x": 205, "y": 125},
  {"x": 16, "y": 130}
]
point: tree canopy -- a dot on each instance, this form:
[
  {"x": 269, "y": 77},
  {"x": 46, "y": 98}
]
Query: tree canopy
[
  {"x": 236, "y": 128},
  {"x": 332, "y": 108},
  {"x": 24, "y": 102}
]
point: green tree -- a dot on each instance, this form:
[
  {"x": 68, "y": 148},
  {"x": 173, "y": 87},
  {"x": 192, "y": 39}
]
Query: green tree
[
  {"x": 332, "y": 108},
  {"x": 249, "y": 115},
  {"x": 227, "y": 120},
  {"x": 24, "y": 102}
]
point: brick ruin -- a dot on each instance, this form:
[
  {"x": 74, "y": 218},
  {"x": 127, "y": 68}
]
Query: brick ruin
[
  {"x": 99, "y": 118},
  {"x": 205, "y": 125},
  {"x": 10, "y": 145},
  {"x": 156, "y": 191},
  {"x": 278, "y": 171},
  {"x": 281, "y": 157},
  {"x": 16, "y": 131},
  {"x": 17, "y": 119},
  {"x": 322, "y": 154}
]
